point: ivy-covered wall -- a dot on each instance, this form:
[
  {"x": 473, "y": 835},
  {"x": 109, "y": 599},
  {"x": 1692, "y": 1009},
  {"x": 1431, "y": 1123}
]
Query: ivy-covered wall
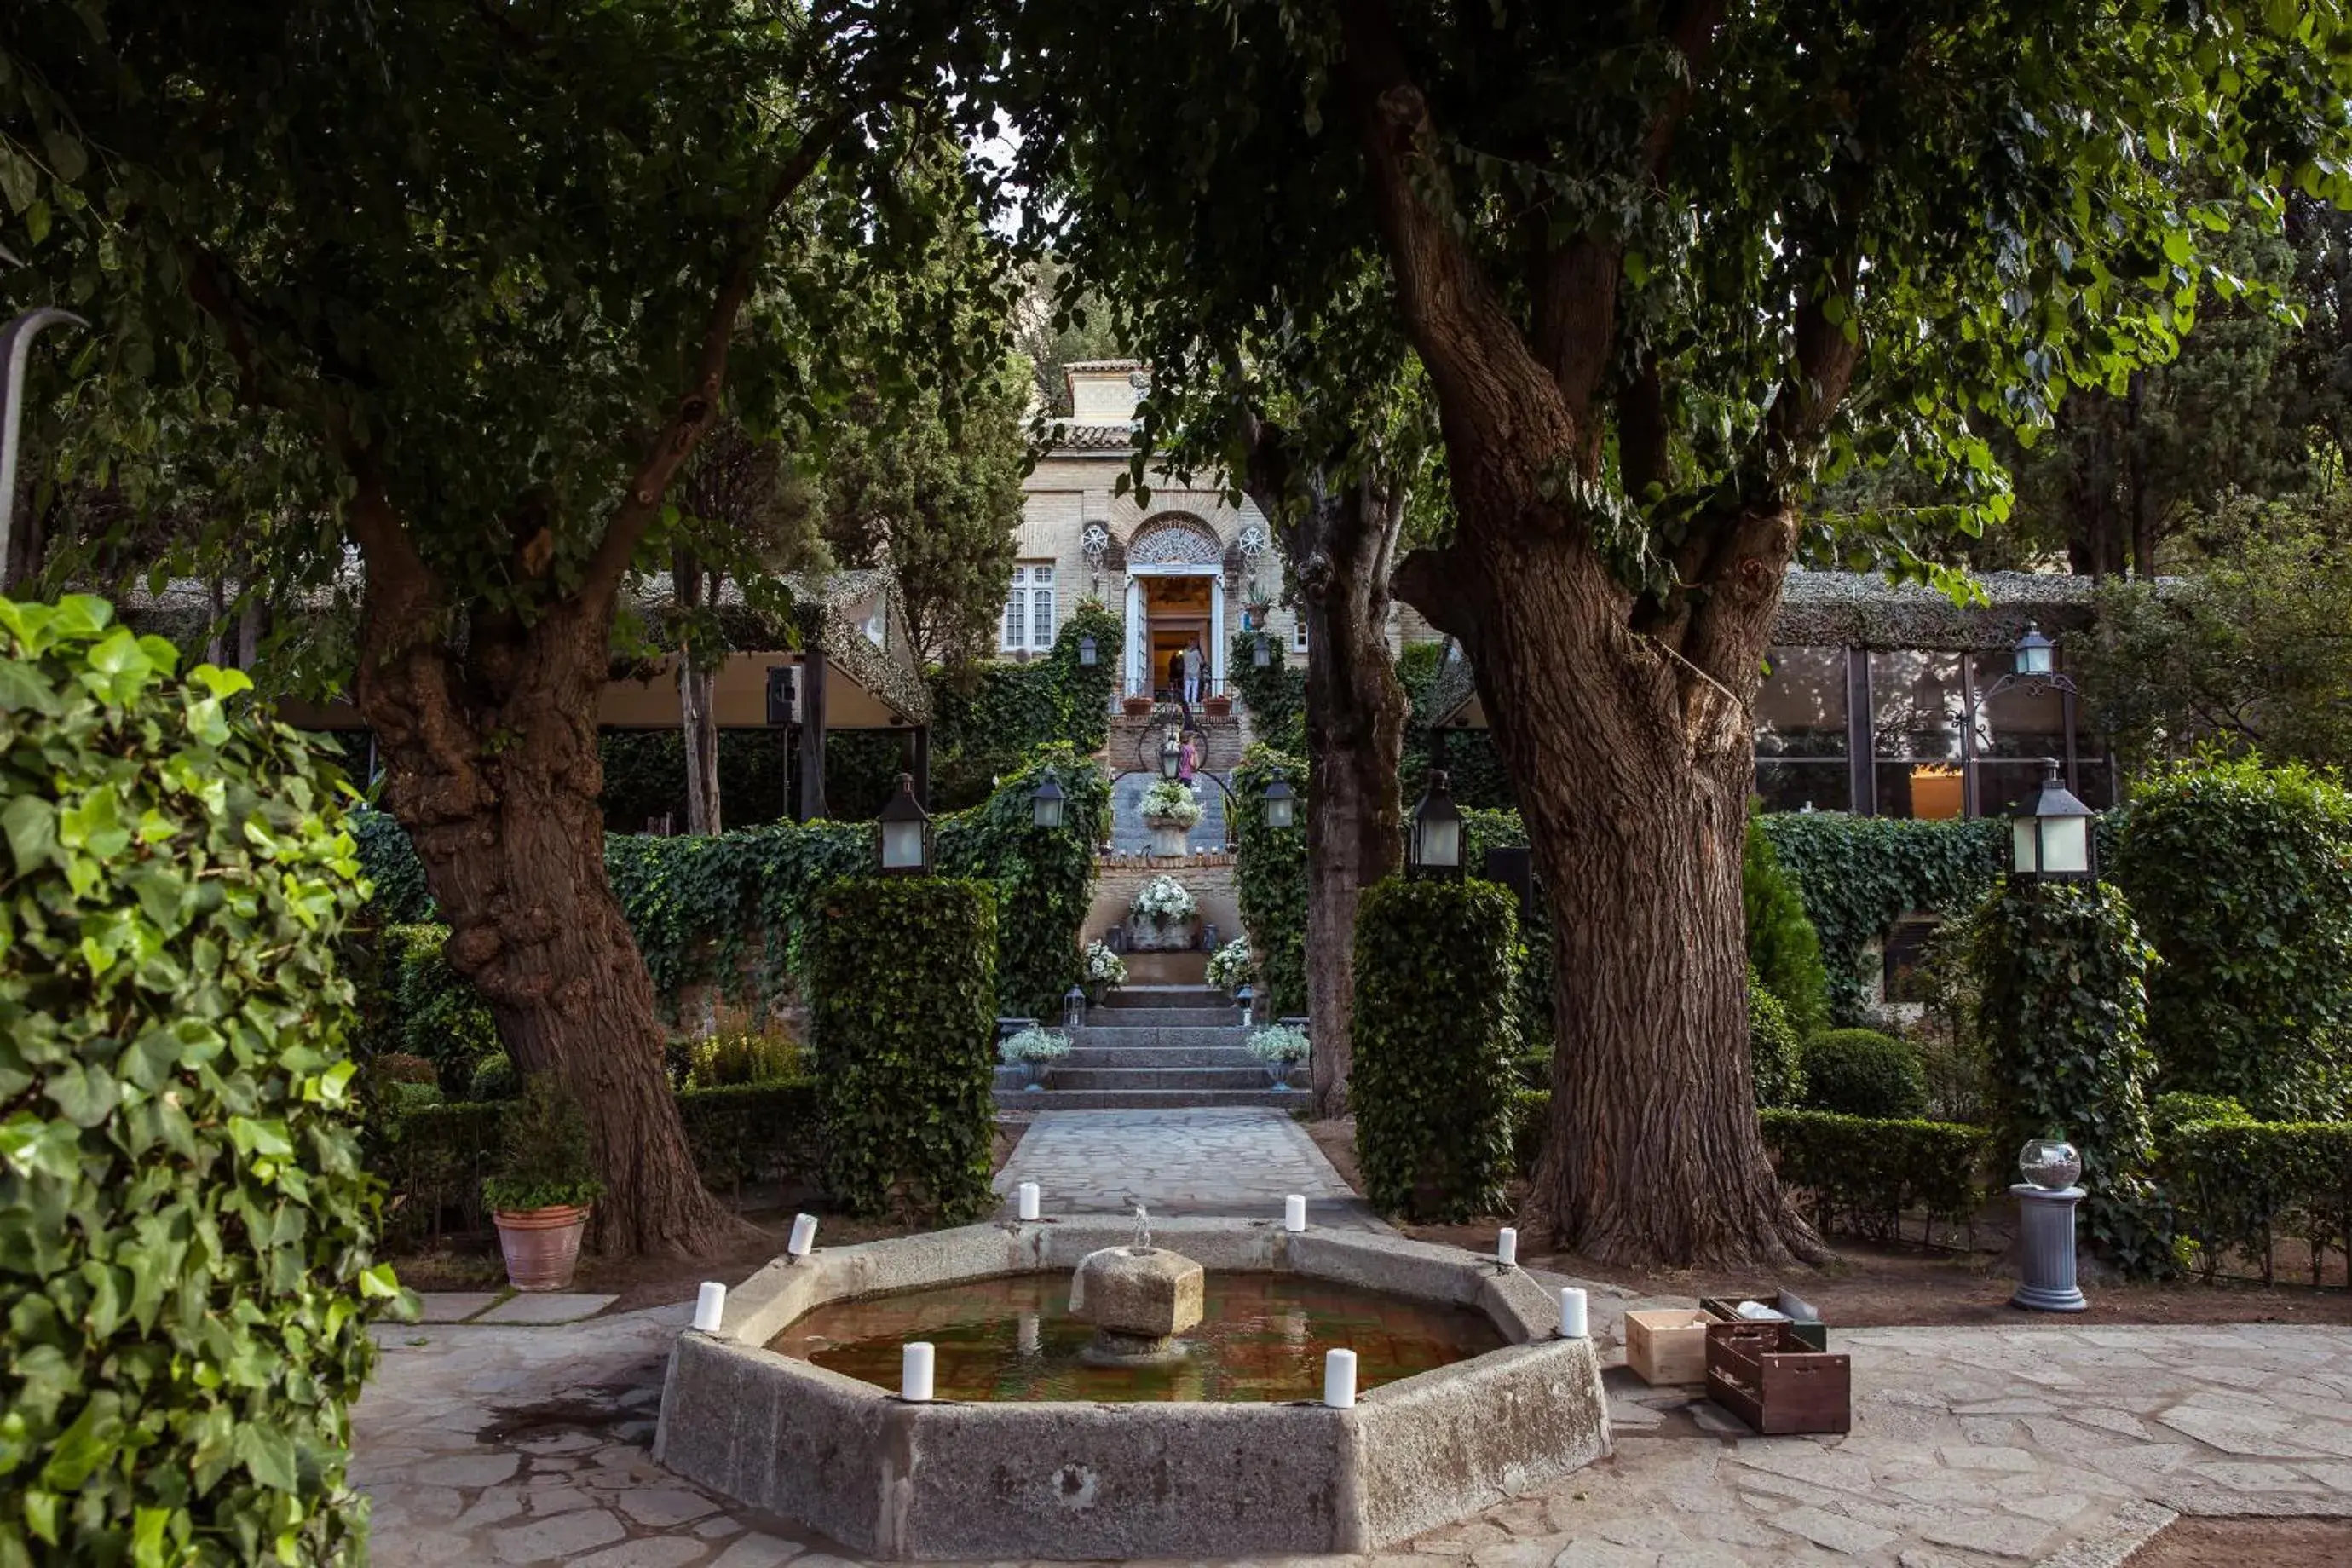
[
  {"x": 1270, "y": 878},
  {"x": 1275, "y": 694},
  {"x": 732, "y": 910},
  {"x": 987, "y": 718}
]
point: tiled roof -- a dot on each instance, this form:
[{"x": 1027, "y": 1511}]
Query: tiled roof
[{"x": 1069, "y": 435}]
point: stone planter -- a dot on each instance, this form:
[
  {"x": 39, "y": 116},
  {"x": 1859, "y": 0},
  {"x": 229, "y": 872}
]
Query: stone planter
[
  {"x": 542, "y": 1246},
  {"x": 1170, "y": 836},
  {"x": 1152, "y": 936},
  {"x": 1136, "y": 707},
  {"x": 1217, "y": 706}
]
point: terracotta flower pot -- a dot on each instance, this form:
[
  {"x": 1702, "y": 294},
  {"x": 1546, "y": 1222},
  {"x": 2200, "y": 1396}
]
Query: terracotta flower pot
[
  {"x": 542, "y": 1246},
  {"x": 1136, "y": 706},
  {"x": 1218, "y": 706}
]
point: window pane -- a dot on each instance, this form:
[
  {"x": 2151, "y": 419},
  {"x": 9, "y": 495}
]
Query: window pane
[
  {"x": 1794, "y": 785},
  {"x": 1801, "y": 707},
  {"x": 1929, "y": 788},
  {"x": 1915, "y": 709},
  {"x": 1041, "y": 614},
  {"x": 2021, "y": 721}
]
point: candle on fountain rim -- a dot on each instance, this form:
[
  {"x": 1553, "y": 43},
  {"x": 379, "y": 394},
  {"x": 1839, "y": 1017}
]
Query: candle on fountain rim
[
  {"x": 1572, "y": 1325},
  {"x": 804, "y": 1236},
  {"x": 915, "y": 1366},
  {"x": 1507, "y": 1247},
  {"x": 1339, "y": 1379},
  {"x": 1294, "y": 1212},
  {"x": 1029, "y": 1196},
  {"x": 710, "y": 1307}
]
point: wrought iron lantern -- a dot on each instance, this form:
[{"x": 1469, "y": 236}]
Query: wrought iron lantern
[
  {"x": 2036, "y": 654},
  {"x": 1074, "y": 1008},
  {"x": 1247, "y": 997},
  {"x": 1435, "y": 849},
  {"x": 1171, "y": 754},
  {"x": 905, "y": 845},
  {"x": 1262, "y": 653},
  {"x": 1046, "y": 802},
  {"x": 2050, "y": 834},
  {"x": 1087, "y": 654},
  {"x": 1281, "y": 805}
]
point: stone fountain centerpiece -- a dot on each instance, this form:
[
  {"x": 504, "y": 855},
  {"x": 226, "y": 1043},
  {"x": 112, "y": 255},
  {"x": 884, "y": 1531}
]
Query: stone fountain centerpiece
[{"x": 1138, "y": 1297}]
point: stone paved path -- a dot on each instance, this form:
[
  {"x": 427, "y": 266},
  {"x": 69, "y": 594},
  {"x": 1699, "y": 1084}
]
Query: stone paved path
[
  {"x": 1979, "y": 1446},
  {"x": 1204, "y": 1161}
]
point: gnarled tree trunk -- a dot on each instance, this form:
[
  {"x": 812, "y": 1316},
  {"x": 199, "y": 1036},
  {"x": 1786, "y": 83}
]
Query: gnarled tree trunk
[
  {"x": 490, "y": 763},
  {"x": 697, "y": 715}
]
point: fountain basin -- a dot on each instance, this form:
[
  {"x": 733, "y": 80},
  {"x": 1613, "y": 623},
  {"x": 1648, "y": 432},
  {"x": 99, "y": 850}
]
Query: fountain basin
[{"x": 1065, "y": 1480}]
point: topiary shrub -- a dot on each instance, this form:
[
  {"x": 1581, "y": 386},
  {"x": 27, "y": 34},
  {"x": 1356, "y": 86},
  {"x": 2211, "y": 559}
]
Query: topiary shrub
[
  {"x": 2236, "y": 1186},
  {"x": 1861, "y": 1072},
  {"x": 185, "y": 1226},
  {"x": 1047, "y": 874},
  {"x": 902, "y": 977},
  {"x": 1270, "y": 878},
  {"x": 1863, "y": 1173},
  {"x": 2240, "y": 877},
  {"x": 2064, "y": 1009},
  {"x": 1775, "y": 1055},
  {"x": 1784, "y": 951},
  {"x": 1433, "y": 1082}
]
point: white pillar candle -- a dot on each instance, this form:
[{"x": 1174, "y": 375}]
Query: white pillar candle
[
  {"x": 1028, "y": 1200},
  {"x": 915, "y": 1372},
  {"x": 1571, "y": 1313},
  {"x": 804, "y": 1235},
  {"x": 1507, "y": 1246},
  {"x": 710, "y": 1306},
  {"x": 1339, "y": 1379},
  {"x": 1294, "y": 1212}
]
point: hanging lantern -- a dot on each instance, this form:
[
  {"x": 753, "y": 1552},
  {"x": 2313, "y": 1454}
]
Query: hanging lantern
[
  {"x": 1086, "y": 651},
  {"x": 1046, "y": 802},
  {"x": 2050, "y": 834},
  {"x": 1436, "y": 846},
  {"x": 1171, "y": 754},
  {"x": 1262, "y": 653},
  {"x": 905, "y": 847},
  {"x": 1281, "y": 805},
  {"x": 2036, "y": 654}
]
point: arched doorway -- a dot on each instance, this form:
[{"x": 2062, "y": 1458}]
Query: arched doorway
[{"x": 1175, "y": 599}]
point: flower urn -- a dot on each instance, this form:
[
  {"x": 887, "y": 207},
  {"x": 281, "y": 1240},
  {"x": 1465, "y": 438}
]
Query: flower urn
[{"x": 542, "y": 1246}]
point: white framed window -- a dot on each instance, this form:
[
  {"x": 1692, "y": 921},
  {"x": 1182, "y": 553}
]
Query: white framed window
[
  {"x": 1299, "y": 634},
  {"x": 1028, "y": 621}
]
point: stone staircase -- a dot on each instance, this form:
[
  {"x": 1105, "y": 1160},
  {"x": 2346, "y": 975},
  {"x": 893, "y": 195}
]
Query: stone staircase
[{"x": 1153, "y": 1047}]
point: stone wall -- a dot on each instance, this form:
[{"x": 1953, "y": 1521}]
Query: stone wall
[{"x": 1209, "y": 880}]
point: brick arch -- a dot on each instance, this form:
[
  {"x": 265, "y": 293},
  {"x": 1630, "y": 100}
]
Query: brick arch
[{"x": 1170, "y": 537}]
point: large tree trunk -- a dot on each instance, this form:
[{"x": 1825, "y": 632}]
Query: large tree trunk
[
  {"x": 697, "y": 713},
  {"x": 490, "y": 763},
  {"x": 1341, "y": 544}
]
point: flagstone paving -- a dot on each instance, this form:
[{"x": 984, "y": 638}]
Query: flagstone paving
[
  {"x": 1201, "y": 1160},
  {"x": 2058, "y": 1444}
]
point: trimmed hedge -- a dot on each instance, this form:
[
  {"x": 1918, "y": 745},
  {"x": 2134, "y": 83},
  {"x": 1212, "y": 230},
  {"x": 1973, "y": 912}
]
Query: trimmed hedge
[
  {"x": 1270, "y": 878},
  {"x": 1432, "y": 1085},
  {"x": 434, "y": 1159},
  {"x": 185, "y": 1226},
  {"x": 1867, "y": 1171},
  {"x": 2240, "y": 877},
  {"x": 1861, "y": 1072},
  {"x": 902, "y": 984},
  {"x": 2063, "y": 1008},
  {"x": 2236, "y": 1187}
]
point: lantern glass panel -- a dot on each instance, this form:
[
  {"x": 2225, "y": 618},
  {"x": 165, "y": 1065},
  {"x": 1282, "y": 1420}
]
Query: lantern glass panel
[
  {"x": 2024, "y": 835},
  {"x": 1440, "y": 842},
  {"x": 2065, "y": 846},
  {"x": 1087, "y": 651},
  {"x": 1278, "y": 811},
  {"x": 1046, "y": 804},
  {"x": 902, "y": 845},
  {"x": 1261, "y": 655},
  {"x": 2033, "y": 653}
]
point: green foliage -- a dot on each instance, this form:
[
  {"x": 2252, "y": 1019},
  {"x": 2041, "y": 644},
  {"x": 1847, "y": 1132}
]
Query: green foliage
[
  {"x": 495, "y": 1079},
  {"x": 1775, "y": 1056},
  {"x": 1867, "y": 1171},
  {"x": 903, "y": 991},
  {"x": 1861, "y": 1072},
  {"x": 1487, "y": 830},
  {"x": 2242, "y": 878},
  {"x": 1431, "y": 1080},
  {"x": 543, "y": 1162},
  {"x": 741, "y": 1057},
  {"x": 1473, "y": 770},
  {"x": 1270, "y": 878},
  {"x": 644, "y": 775},
  {"x": 989, "y": 716},
  {"x": 2063, "y": 973},
  {"x": 429, "y": 1010},
  {"x": 2238, "y": 1186},
  {"x": 2178, "y": 1110},
  {"x": 1276, "y": 696},
  {"x": 396, "y": 876},
  {"x": 1782, "y": 946},
  {"x": 184, "y": 1227},
  {"x": 1859, "y": 875},
  {"x": 1043, "y": 878}
]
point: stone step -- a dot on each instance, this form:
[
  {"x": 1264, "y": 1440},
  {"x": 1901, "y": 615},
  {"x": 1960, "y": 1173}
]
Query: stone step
[
  {"x": 1117, "y": 1055},
  {"x": 1171, "y": 1037},
  {"x": 1166, "y": 972},
  {"x": 1225, "y": 1018},
  {"x": 1186, "y": 1079},
  {"x": 1166, "y": 996},
  {"x": 1145, "y": 1098}
]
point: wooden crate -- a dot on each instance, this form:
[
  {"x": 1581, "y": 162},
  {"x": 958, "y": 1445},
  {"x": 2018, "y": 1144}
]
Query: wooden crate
[
  {"x": 1667, "y": 1344},
  {"x": 1766, "y": 1375},
  {"x": 1803, "y": 1320}
]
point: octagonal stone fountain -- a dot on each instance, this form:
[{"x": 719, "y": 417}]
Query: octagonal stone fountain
[{"x": 1170, "y": 1412}]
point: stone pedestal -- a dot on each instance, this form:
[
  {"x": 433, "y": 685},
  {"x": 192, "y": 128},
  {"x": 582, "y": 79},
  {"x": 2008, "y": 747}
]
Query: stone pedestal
[
  {"x": 1168, "y": 837},
  {"x": 1138, "y": 1298},
  {"x": 1176, "y": 936},
  {"x": 2046, "y": 1249}
]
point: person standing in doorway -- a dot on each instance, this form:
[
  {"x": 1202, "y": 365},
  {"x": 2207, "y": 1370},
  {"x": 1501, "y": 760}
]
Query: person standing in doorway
[
  {"x": 1176, "y": 674},
  {"x": 1192, "y": 675}
]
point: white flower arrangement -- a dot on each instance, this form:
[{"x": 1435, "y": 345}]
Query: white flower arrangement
[
  {"x": 1034, "y": 1044},
  {"x": 1104, "y": 967},
  {"x": 1172, "y": 800},
  {"x": 1164, "y": 901},
  {"x": 1230, "y": 966},
  {"x": 1278, "y": 1043}
]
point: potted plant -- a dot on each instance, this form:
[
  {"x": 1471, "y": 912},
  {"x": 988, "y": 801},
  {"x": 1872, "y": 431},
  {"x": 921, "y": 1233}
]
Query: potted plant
[
  {"x": 544, "y": 1187},
  {"x": 1104, "y": 969},
  {"x": 1229, "y": 967},
  {"x": 1170, "y": 810},
  {"x": 1280, "y": 1046},
  {"x": 1216, "y": 705},
  {"x": 1161, "y": 918},
  {"x": 1034, "y": 1050},
  {"x": 1136, "y": 704}
]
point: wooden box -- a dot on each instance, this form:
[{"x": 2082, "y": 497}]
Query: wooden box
[
  {"x": 1804, "y": 1320},
  {"x": 1667, "y": 1344},
  {"x": 1767, "y": 1377}
]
